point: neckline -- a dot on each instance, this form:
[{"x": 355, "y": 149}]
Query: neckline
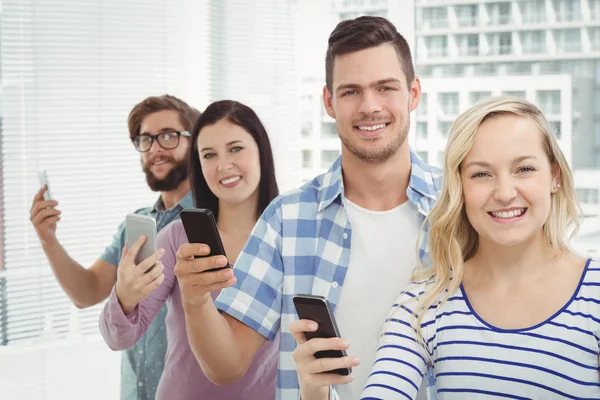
[{"x": 547, "y": 320}]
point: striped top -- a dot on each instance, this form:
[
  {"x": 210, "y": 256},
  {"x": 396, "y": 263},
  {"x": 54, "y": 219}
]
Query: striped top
[{"x": 557, "y": 358}]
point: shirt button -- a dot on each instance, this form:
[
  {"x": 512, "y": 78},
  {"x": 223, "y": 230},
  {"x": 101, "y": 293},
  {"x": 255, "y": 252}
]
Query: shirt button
[
  {"x": 140, "y": 384},
  {"x": 345, "y": 236},
  {"x": 334, "y": 285}
]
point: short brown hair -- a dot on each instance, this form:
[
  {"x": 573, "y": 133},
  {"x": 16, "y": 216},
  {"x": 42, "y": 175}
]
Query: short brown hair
[
  {"x": 187, "y": 115},
  {"x": 363, "y": 33}
]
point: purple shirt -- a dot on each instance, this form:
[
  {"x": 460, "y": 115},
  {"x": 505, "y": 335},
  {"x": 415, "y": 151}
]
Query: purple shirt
[{"x": 182, "y": 378}]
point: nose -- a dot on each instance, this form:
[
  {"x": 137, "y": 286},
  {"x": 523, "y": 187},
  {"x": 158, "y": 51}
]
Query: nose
[
  {"x": 369, "y": 103},
  {"x": 225, "y": 164},
  {"x": 505, "y": 190},
  {"x": 155, "y": 147}
]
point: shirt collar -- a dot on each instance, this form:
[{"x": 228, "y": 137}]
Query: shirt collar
[
  {"x": 423, "y": 186},
  {"x": 186, "y": 202}
]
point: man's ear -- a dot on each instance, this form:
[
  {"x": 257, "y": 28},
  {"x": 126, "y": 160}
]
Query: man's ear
[
  {"x": 415, "y": 95},
  {"x": 328, "y": 102}
]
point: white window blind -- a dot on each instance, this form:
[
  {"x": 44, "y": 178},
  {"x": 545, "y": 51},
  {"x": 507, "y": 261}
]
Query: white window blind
[{"x": 70, "y": 72}]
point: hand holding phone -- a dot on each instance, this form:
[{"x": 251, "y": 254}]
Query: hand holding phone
[
  {"x": 139, "y": 271},
  {"x": 320, "y": 355},
  {"x": 198, "y": 270},
  {"x": 200, "y": 227},
  {"x": 316, "y": 308},
  {"x": 43, "y": 214}
]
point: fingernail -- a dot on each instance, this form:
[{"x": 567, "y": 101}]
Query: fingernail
[
  {"x": 345, "y": 343},
  {"x": 355, "y": 360},
  {"x": 312, "y": 325},
  {"x": 161, "y": 252},
  {"x": 142, "y": 237},
  {"x": 222, "y": 260}
]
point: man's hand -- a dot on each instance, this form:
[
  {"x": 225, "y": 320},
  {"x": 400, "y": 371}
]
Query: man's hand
[
  {"x": 44, "y": 217},
  {"x": 195, "y": 280},
  {"x": 314, "y": 381},
  {"x": 136, "y": 282}
]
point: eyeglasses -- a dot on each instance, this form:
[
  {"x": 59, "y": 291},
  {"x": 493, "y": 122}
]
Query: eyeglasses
[{"x": 166, "y": 140}]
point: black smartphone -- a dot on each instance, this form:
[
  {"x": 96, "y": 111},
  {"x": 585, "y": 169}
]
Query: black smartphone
[
  {"x": 200, "y": 227},
  {"x": 316, "y": 308}
]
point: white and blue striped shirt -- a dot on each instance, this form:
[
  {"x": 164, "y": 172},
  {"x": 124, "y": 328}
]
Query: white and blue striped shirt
[{"x": 556, "y": 359}]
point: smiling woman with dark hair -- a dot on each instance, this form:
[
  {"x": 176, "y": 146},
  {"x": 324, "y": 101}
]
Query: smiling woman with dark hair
[{"x": 232, "y": 173}]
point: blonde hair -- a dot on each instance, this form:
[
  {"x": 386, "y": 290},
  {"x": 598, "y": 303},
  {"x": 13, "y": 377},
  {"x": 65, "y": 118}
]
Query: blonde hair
[{"x": 452, "y": 239}]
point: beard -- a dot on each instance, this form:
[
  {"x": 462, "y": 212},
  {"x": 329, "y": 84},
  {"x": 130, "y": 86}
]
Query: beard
[
  {"x": 381, "y": 155},
  {"x": 177, "y": 175}
]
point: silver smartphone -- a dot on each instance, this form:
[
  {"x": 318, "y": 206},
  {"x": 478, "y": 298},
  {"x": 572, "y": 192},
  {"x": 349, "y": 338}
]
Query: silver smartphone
[
  {"x": 43, "y": 178},
  {"x": 137, "y": 225}
]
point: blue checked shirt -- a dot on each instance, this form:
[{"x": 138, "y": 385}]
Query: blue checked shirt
[
  {"x": 142, "y": 365},
  {"x": 301, "y": 245}
]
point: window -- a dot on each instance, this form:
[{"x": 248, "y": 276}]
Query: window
[
  {"x": 306, "y": 159},
  {"x": 437, "y": 46},
  {"x": 556, "y": 128},
  {"x": 436, "y": 17},
  {"x": 567, "y": 10},
  {"x": 594, "y": 35},
  {"x": 597, "y": 135},
  {"x": 423, "y": 106},
  {"x": 444, "y": 128},
  {"x": 499, "y": 13},
  {"x": 449, "y": 103},
  {"x": 468, "y": 45},
  {"x": 328, "y": 130},
  {"x": 71, "y": 71},
  {"x": 467, "y": 15},
  {"x": 328, "y": 157},
  {"x": 533, "y": 42},
  {"x": 533, "y": 11},
  {"x": 423, "y": 155},
  {"x": 476, "y": 97},
  {"x": 549, "y": 101},
  {"x": 500, "y": 43},
  {"x": 440, "y": 159},
  {"x": 306, "y": 129},
  {"x": 421, "y": 130},
  {"x": 594, "y": 9},
  {"x": 568, "y": 40}
]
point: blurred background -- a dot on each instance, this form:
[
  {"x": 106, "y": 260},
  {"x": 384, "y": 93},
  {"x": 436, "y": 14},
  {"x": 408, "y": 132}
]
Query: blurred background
[{"x": 71, "y": 70}]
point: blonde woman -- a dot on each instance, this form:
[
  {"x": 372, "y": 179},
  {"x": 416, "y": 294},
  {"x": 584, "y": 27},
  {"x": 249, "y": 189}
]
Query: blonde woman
[{"x": 504, "y": 309}]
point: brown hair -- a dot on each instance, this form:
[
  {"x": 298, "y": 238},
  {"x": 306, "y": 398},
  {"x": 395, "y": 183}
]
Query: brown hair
[
  {"x": 363, "y": 33},
  {"x": 187, "y": 115}
]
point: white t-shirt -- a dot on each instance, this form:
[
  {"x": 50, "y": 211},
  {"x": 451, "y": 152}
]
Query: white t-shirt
[{"x": 382, "y": 258}]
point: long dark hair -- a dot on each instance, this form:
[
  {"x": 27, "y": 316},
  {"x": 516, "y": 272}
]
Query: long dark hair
[{"x": 245, "y": 117}]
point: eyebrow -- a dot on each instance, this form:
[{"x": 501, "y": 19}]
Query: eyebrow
[
  {"x": 167, "y": 129},
  {"x": 227, "y": 144},
  {"x": 374, "y": 84},
  {"x": 484, "y": 164}
]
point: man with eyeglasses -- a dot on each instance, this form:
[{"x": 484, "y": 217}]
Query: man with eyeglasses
[{"x": 159, "y": 129}]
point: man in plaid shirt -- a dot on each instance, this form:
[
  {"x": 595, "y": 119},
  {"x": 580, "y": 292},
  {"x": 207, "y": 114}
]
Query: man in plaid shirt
[{"x": 373, "y": 201}]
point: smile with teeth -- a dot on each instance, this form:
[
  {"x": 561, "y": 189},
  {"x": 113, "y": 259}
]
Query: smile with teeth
[
  {"x": 372, "y": 128},
  {"x": 159, "y": 162},
  {"x": 231, "y": 180},
  {"x": 508, "y": 214}
]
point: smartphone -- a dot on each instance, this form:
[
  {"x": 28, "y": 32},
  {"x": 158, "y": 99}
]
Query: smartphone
[
  {"x": 43, "y": 178},
  {"x": 137, "y": 225},
  {"x": 316, "y": 308},
  {"x": 200, "y": 227}
]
